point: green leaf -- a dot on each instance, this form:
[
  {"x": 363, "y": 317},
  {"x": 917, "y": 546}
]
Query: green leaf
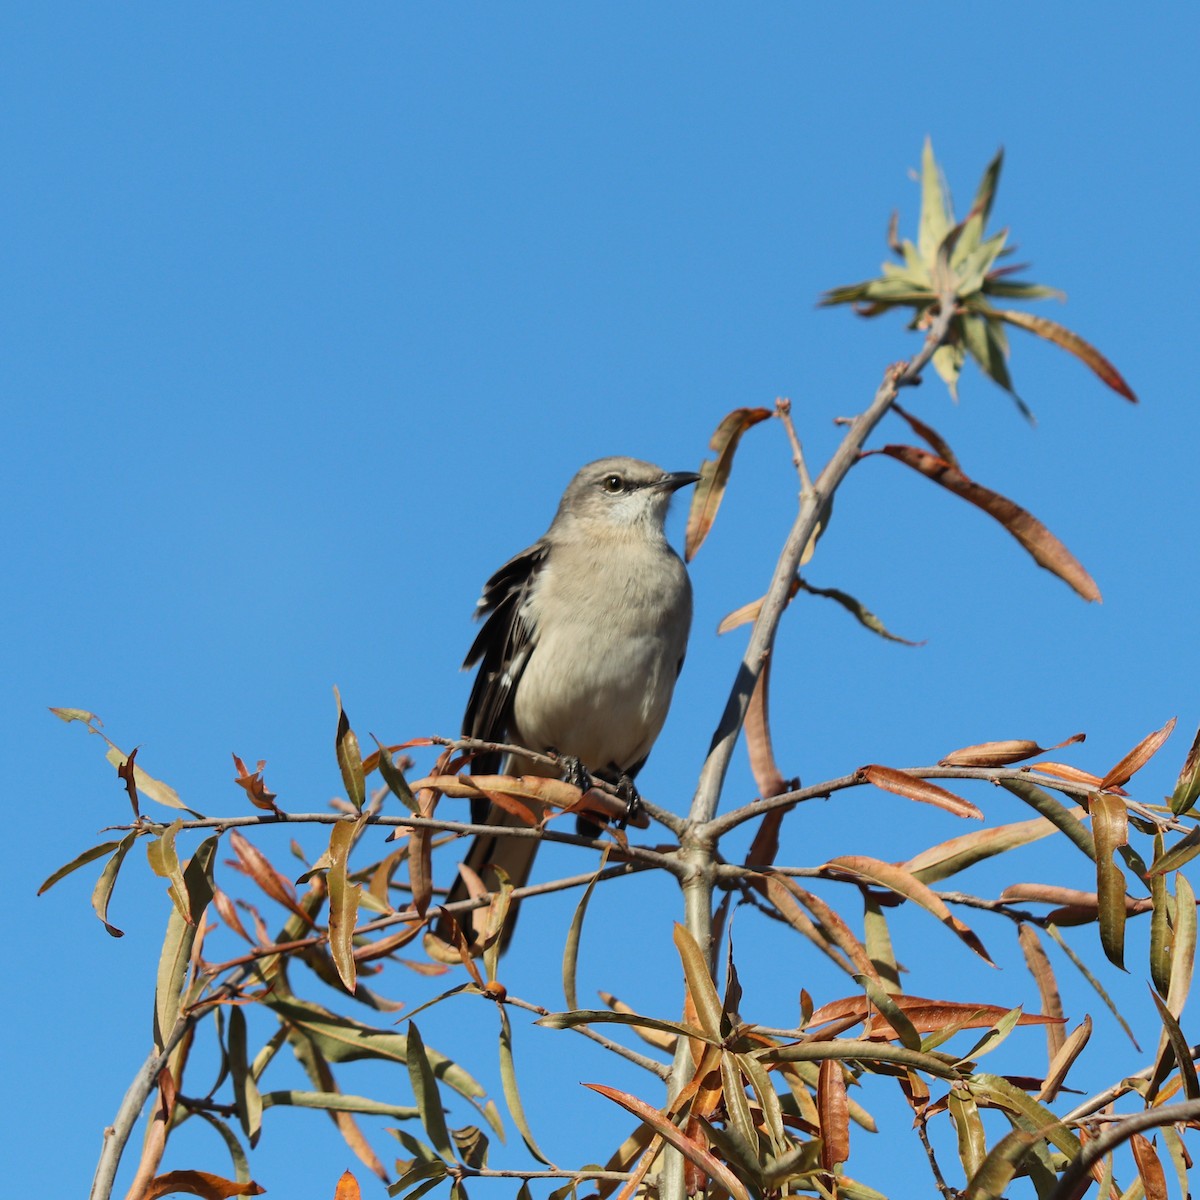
[
  {"x": 1054, "y": 811},
  {"x": 994, "y": 1089},
  {"x": 81, "y": 860},
  {"x": 1097, "y": 987},
  {"x": 246, "y": 1097},
  {"x": 896, "y": 1016},
  {"x": 164, "y": 862},
  {"x": 102, "y": 892},
  {"x": 985, "y": 194},
  {"x": 343, "y": 902},
  {"x": 237, "y": 1155},
  {"x": 1110, "y": 827},
  {"x": 512, "y": 1093},
  {"x": 349, "y": 757},
  {"x": 972, "y": 1141},
  {"x": 338, "y": 1102},
  {"x": 603, "y": 1016},
  {"x": 994, "y": 1036},
  {"x": 709, "y": 1010},
  {"x": 936, "y": 217},
  {"x": 426, "y": 1094},
  {"x": 1182, "y": 852},
  {"x": 861, "y": 614},
  {"x": 1160, "y": 930},
  {"x": 1187, "y": 786},
  {"x": 571, "y": 949},
  {"x": 997, "y": 1171},
  {"x": 394, "y": 778},
  {"x": 1179, "y": 1048},
  {"x": 1183, "y": 946}
]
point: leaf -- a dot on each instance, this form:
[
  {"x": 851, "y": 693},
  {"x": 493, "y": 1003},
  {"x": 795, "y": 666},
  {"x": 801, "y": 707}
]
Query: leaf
[
  {"x": 347, "y": 1188},
  {"x": 102, "y": 892},
  {"x": 972, "y": 1142},
  {"x": 1137, "y": 758},
  {"x": 1183, "y": 946},
  {"x": 256, "y": 790},
  {"x": 902, "y": 883},
  {"x": 1187, "y": 786},
  {"x": 835, "y": 1119},
  {"x": 757, "y": 733},
  {"x": 957, "y": 854},
  {"x": 512, "y": 1093},
  {"x": 1182, "y": 852},
  {"x": 858, "y": 610},
  {"x": 1150, "y": 1170},
  {"x": 1053, "y": 811},
  {"x": 349, "y": 757},
  {"x": 145, "y": 784},
  {"x": 1178, "y": 1045},
  {"x": 571, "y": 948},
  {"x": 393, "y": 776},
  {"x": 344, "y": 897},
  {"x": 692, "y": 1150},
  {"x": 1081, "y": 967},
  {"x": 903, "y": 784},
  {"x": 179, "y": 940},
  {"x": 247, "y": 1099},
  {"x": 714, "y": 475},
  {"x": 1064, "y": 1059},
  {"x": 338, "y": 1102},
  {"x": 426, "y": 1094},
  {"x": 256, "y": 864},
  {"x": 700, "y": 985},
  {"x": 748, "y": 613},
  {"x": 164, "y": 862},
  {"x": 1001, "y": 754},
  {"x": 1047, "y": 551},
  {"x": 927, "y": 434},
  {"x": 892, "y": 1009},
  {"x": 198, "y": 1183},
  {"x": 80, "y": 860},
  {"x": 999, "y": 1168},
  {"x": 936, "y": 218},
  {"x": 1043, "y": 975},
  {"x": 1060, "y": 335},
  {"x": 923, "y": 1015},
  {"x": 1110, "y": 826},
  {"x": 600, "y": 1016}
]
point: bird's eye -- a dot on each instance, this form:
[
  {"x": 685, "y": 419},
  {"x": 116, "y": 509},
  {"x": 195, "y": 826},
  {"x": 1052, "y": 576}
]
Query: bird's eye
[{"x": 613, "y": 484}]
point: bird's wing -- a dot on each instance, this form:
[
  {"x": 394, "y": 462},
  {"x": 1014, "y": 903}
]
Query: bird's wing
[{"x": 502, "y": 648}]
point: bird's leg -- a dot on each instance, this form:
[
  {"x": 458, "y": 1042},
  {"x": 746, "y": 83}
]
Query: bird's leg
[
  {"x": 633, "y": 802},
  {"x": 574, "y": 772}
]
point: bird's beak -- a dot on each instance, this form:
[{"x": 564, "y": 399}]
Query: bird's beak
[{"x": 672, "y": 481}]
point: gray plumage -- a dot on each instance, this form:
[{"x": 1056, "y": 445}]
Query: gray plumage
[{"x": 583, "y": 637}]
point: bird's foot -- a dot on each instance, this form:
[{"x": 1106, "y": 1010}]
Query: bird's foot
[
  {"x": 633, "y": 802},
  {"x": 575, "y": 773}
]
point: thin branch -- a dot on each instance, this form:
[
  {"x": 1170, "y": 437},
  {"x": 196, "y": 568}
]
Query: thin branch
[
  {"x": 1103, "y": 1099},
  {"x": 783, "y": 410},
  {"x": 942, "y": 1186},
  {"x": 650, "y": 1064}
]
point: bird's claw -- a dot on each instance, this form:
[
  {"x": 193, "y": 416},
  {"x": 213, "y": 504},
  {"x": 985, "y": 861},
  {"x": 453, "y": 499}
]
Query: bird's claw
[
  {"x": 633, "y": 801},
  {"x": 575, "y": 773}
]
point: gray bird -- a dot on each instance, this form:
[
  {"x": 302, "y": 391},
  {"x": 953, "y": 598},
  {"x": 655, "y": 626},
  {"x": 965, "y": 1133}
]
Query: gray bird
[{"x": 584, "y": 636}]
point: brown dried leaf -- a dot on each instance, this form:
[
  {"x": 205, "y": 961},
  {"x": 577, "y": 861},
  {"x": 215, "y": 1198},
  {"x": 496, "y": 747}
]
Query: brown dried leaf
[
  {"x": 1150, "y": 1169},
  {"x": 1039, "y": 966},
  {"x": 1137, "y": 758},
  {"x": 925, "y": 1015},
  {"x": 927, "y": 434},
  {"x": 1001, "y": 754},
  {"x": 1046, "y": 549},
  {"x": 834, "y": 1113},
  {"x": 903, "y": 784},
  {"x": 254, "y": 786},
  {"x": 748, "y": 613},
  {"x": 256, "y": 864},
  {"x": 1060, "y": 335},
  {"x": 900, "y": 881},
  {"x": 1064, "y": 1058},
  {"x": 199, "y": 1183},
  {"x": 1070, "y": 774},
  {"x": 347, "y": 1188},
  {"x": 757, "y": 732},
  {"x": 714, "y": 475}
]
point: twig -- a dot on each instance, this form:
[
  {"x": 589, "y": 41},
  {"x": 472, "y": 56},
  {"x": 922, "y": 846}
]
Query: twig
[
  {"x": 947, "y": 1191},
  {"x": 783, "y": 410},
  {"x": 1102, "y": 1099},
  {"x": 650, "y": 1064}
]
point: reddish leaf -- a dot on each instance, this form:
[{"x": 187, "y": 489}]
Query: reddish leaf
[
  {"x": 757, "y": 732},
  {"x": 927, "y": 434},
  {"x": 347, "y": 1188},
  {"x": 834, "y": 1112},
  {"x": 256, "y": 864},
  {"x": 926, "y": 1016},
  {"x": 254, "y": 786},
  {"x": 903, "y": 784},
  {"x": 714, "y": 475},
  {"x": 1060, "y": 335},
  {"x": 1046, "y": 549},
  {"x": 199, "y": 1183},
  {"x": 1043, "y": 974},
  {"x": 1137, "y": 758},
  {"x": 1000, "y": 754}
]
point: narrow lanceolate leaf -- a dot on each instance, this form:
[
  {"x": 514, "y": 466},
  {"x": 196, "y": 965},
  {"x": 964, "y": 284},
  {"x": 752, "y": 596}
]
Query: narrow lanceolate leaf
[
  {"x": 949, "y": 857},
  {"x": 1047, "y": 985},
  {"x": 199, "y": 1183},
  {"x": 1097, "y": 986},
  {"x": 1053, "y": 810},
  {"x": 256, "y": 864},
  {"x": 1182, "y": 852},
  {"x": 1150, "y": 1169},
  {"x": 394, "y": 777},
  {"x": 692, "y": 1150},
  {"x": 835, "y": 1116},
  {"x": 426, "y": 1094},
  {"x": 343, "y": 903},
  {"x": 890, "y": 1008},
  {"x": 903, "y": 784},
  {"x": 1137, "y": 758},
  {"x": 701, "y": 988},
  {"x": 714, "y": 475},
  {"x": 972, "y": 1140},
  {"x": 145, "y": 783},
  {"x": 757, "y": 732},
  {"x": 164, "y": 862},
  {"x": 1047, "y": 551},
  {"x": 349, "y": 757},
  {"x": 1062, "y": 1062},
  {"x": 904, "y": 884},
  {"x": 1110, "y": 825},
  {"x": 1183, "y": 946},
  {"x": 1160, "y": 929},
  {"x": 1060, "y": 335},
  {"x": 1187, "y": 786},
  {"x": 512, "y": 1093},
  {"x": 1001, "y": 754},
  {"x": 878, "y": 940},
  {"x": 246, "y": 1097},
  {"x": 923, "y": 1015},
  {"x": 998, "y": 1169},
  {"x": 936, "y": 218},
  {"x": 81, "y": 860},
  {"x": 863, "y": 615},
  {"x": 102, "y": 892},
  {"x": 1179, "y": 1047},
  {"x": 928, "y": 434},
  {"x": 996, "y": 1090},
  {"x": 571, "y": 949}
]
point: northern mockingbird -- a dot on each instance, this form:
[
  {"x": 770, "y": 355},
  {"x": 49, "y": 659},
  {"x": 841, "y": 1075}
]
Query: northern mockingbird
[{"x": 584, "y": 636}]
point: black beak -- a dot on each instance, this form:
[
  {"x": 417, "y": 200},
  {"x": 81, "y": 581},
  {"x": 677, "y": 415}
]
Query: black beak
[{"x": 672, "y": 481}]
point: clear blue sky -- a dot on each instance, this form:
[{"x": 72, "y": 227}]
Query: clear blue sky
[{"x": 309, "y": 313}]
